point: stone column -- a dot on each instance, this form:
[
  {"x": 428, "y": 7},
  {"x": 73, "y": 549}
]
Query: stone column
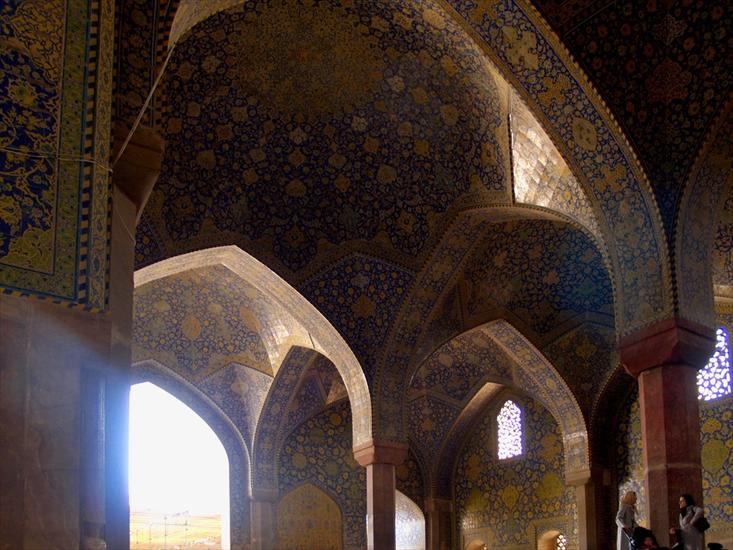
[
  {"x": 439, "y": 523},
  {"x": 92, "y": 516},
  {"x": 263, "y": 519},
  {"x": 665, "y": 358},
  {"x": 380, "y": 459},
  {"x": 589, "y": 495},
  {"x": 135, "y": 174}
]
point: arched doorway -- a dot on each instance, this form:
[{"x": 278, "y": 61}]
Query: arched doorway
[{"x": 179, "y": 475}]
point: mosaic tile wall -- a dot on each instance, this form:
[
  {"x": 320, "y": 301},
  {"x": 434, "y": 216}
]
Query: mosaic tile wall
[
  {"x": 723, "y": 251},
  {"x": 200, "y": 321},
  {"x": 319, "y": 452},
  {"x": 544, "y": 272},
  {"x": 308, "y": 519},
  {"x": 716, "y": 438},
  {"x": 664, "y": 70},
  {"x": 54, "y": 206},
  {"x": 585, "y": 357},
  {"x": 629, "y": 453},
  {"x": 508, "y": 497}
]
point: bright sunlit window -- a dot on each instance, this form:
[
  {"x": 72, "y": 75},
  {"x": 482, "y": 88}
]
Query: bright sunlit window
[
  {"x": 713, "y": 381},
  {"x": 509, "y": 431},
  {"x": 179, "y": 475},
  {"x": 561, "y": 543}
]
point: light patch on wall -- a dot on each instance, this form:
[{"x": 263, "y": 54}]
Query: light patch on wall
[{"x": 409, "y": 524}]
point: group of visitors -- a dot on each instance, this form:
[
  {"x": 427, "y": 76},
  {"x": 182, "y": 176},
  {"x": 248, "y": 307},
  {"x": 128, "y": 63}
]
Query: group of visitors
[{"x": 689, "y": 534}]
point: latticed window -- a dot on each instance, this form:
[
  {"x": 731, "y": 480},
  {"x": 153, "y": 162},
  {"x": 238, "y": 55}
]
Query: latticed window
[
  {"x": 561, "y": 543},
  {"x": 714, "y": 380},
  {"x": 509, "y": 423}
]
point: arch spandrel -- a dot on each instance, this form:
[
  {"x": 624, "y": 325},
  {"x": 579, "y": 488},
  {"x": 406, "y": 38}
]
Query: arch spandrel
[
  {"x": 531, "y": 57},
  {"x": 268, "y": 434},
  {"x": 528, "y": 370},
  {"x": 709, "y": 185},
  {"x": 537, "y": 377},
  {"x": 317, "y": 334}
]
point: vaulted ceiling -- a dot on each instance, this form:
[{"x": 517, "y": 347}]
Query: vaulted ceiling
[
  {"x": 341, "y": 144},
  {"x": 665, "y": 69}
]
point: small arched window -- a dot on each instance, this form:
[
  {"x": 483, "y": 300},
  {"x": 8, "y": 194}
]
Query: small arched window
[
  {"x": 713, "y": 381},
  {"x": 509, "y": 431},
  {"x": 561, "y": 542}
]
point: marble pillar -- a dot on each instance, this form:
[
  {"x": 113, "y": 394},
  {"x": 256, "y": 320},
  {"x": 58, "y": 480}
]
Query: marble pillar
[
  {"x": 439, "y": 523},
  {"x": 590, "y": 493},
  {"x": 263, "y": 519},
  {"x": 665, "y": 359},
  {"x": 380, "y": 460}
]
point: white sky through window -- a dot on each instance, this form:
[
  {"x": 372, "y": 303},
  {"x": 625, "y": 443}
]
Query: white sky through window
[
  {"x": 509, "y": 434},
  {"x": 177, "y": 464}
]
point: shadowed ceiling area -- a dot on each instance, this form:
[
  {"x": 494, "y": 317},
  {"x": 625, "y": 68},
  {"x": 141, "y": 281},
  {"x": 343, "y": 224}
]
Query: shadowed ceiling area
[
  {"x": 662, "y": 68},
  {"x": 314, "y": 128},
  {"x": 337, "y": 144}
]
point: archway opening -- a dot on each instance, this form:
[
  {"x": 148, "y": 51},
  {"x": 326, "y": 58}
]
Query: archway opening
[{"x": 179, "y": 475}]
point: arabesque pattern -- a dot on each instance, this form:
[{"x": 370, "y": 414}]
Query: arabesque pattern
[{"x": 507, "y": 496}]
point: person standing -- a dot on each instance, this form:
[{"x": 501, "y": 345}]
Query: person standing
[
  {"x": 688, "y": 534},
  {"x": 626, "y": 520}
]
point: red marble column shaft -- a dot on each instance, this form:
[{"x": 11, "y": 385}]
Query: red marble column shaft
[
  {"x": 665, "y": 359},
  {"x": 380, "y": 460},
  {"x": 670, "y": 422},
  {"x": 440, "y": 520},
  {"x": 263, "y": 520}
]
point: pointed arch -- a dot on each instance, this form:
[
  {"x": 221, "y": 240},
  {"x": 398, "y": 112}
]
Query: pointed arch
[
  {"x": 318, "y": 333},
  {"x": 222, "y": 426},
  {"x": 534, "y": 375},
  {"x": 521, "y": 45},
  {"x": 537, "y": 377},
  {"x": 321, "y": 522},
  {"x": 406, "y": 347}
]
